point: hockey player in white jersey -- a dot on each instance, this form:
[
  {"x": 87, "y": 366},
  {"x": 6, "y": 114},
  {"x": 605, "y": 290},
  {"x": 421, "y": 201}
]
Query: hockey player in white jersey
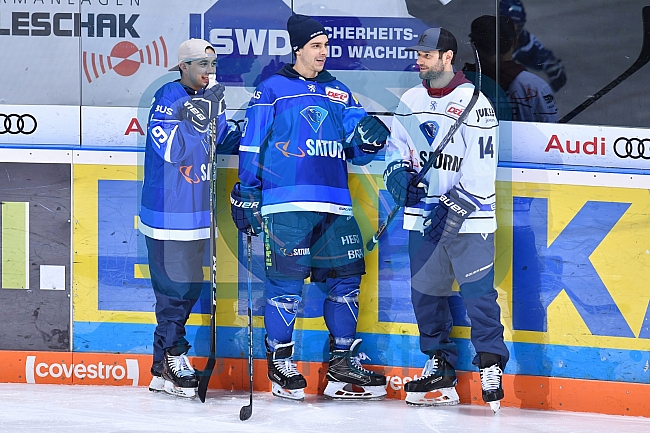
[{"x": 450, "y": 218}]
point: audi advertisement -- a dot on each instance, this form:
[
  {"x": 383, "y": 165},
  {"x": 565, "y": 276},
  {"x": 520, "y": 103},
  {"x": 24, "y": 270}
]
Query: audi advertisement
[
  {"x": 40, "y": 125},
  {"x": 595, "y": 147}
]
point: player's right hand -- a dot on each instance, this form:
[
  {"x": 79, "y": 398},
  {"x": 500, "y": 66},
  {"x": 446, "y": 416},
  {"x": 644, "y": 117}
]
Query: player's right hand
[
  {"x": 245, "y": 205},
  {"x": 196, "y": 115},
  {"x": 399, "y": 178}
]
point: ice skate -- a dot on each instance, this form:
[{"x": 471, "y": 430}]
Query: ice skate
[
  {"x": 436, "y": 386},
  {"x": 286, "y": 379},
  {"x": 157, "y": 383},
  {"x": 348, "y": 380},
  {"x": 180, "y": 377},
  {"x": 491, "y": 374}
]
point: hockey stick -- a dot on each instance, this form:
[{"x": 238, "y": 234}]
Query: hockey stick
[
  {"x": 246, "y": 411},
  {"x": 644, "y": 57},
  {"x": 212, "y": 358},
  {"x": 427, "y": 166}
]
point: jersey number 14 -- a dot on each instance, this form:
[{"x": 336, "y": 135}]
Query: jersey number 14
[{"x": 486, "y": 148}]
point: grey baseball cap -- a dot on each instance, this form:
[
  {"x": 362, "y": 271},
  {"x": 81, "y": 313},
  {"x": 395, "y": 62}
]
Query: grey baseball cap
[
  {"x": 193, "y": 49},
  {"x": 435, "y": 38}
]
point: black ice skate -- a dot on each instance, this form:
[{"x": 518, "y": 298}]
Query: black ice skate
[
  {"x": 436, "y": 386},
  {"x": 490, "y": 369},
  {"x": 157, "y": 383},
  {"x": 348, "y": 380},
  {"x": 180, "y": 377},
  {"x": 286, "y": 379}
]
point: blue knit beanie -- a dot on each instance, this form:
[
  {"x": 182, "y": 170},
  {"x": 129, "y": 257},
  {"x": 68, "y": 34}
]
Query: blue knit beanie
[{"x": 303, "y": 29}]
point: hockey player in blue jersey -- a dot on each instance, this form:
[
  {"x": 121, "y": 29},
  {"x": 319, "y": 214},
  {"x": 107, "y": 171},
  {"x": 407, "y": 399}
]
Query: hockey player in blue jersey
[
  {"x": 175, "y": 212},
  {"x": 529, "y": 50},
  {"x": 303, "y": 128}
]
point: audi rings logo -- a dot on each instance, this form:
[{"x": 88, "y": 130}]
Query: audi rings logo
[
  {"x": 634, "y": 148},
  {"x": 17, "y": 124}
]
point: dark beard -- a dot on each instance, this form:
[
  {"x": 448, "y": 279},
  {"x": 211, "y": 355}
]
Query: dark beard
[{"x": 431, "y": 75}]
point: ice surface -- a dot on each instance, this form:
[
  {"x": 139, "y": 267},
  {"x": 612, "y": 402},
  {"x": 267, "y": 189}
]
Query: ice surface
[{"x": 61, "y": 408}]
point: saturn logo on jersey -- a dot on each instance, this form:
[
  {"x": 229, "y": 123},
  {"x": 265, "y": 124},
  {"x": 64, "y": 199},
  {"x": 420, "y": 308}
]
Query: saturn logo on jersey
[
  {"x": 188, "y": 174},
  {"x": 283, "y": 146},
  {"x": 315, "y": 116},
  {"x": 295, "y": 252},
  {"x": 430, "y": 130},
  {"x": 443, "y": 161},
  {"x": 331, "y": 148}
]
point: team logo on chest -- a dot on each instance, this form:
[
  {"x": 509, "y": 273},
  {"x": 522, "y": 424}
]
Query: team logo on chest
[
  {"x": 311, "y": 87},
  {"x": 315, "y": 116},
  {"x": 430, "y": 130}
]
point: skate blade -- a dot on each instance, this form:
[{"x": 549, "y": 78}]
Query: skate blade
[
  {"x": 439, "y": 397},
  {"x": 289, "y": 394},
  {"x": 177, "y": 391},
  {"x": 348, "y": 391},
  {"x": 157, "y": 384},
  {"x": 495, "y": 406}
]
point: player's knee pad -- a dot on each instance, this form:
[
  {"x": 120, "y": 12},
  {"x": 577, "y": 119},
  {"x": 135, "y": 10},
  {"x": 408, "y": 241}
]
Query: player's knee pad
[
  {"x": 280, "y": 317},
  {"x": 341, "y": 310},
  {"x": 286, "y": 307}
]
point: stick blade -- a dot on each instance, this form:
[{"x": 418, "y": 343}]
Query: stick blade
[
  {"x": 205, "y": 378},
  {"x": 245, "y": 412}
]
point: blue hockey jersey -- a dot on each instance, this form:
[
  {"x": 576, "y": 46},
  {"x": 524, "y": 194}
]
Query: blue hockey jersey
[
  {"x": 175, "y": 192},
  {"x": 295, "y": 146}
]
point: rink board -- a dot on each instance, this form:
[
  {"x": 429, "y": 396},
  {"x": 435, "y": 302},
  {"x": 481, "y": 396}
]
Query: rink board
[
  {"x": 533, "y": 392},
  {"x": 571, "y": 267}
]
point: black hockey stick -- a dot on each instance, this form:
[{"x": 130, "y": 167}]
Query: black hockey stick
[
  {"x": 427, "y": 166},
  {"x": 246, "y": 411},
  {"x": 644, "y": 57},
  {"x": 212, "y": 358}
]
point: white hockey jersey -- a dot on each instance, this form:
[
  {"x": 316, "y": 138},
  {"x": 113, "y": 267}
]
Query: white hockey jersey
[{"x": 468, "y": 162}]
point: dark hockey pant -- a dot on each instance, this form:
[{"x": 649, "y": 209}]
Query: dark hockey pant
[{"x": 177, "y": 279}]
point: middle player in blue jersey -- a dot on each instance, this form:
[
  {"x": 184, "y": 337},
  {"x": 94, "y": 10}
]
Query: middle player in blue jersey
[{"x": 302, "y": 129}]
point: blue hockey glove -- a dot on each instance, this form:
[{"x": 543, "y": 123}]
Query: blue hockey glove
[
  {"x": 245, "y": 209},
  {"x": 230, "y": 143},
  {"x": 212, "y": 100},
  {"x": 196, "y": 115},
  {"x": 370, "y": 134},
  {"x": 399, "y": 178},
  {"x": 443, "y": 224}
]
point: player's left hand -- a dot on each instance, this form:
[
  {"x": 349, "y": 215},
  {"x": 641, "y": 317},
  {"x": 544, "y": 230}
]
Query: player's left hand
[
  {"x": 444, "y": 222},
  {"x": 370, "y": 134}
]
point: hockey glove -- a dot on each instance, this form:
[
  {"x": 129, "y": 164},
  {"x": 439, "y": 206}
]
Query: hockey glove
[
  {"x": 196, "y": 115},
  {"x": 212, "y": 100},
  {"x": 230, "y": 143},
  {"x": 443, "y": 224},
  {"x": 399, "y": 178},
  {"x": 370, "y": 134},
  {"x": 245, "y": 209}
]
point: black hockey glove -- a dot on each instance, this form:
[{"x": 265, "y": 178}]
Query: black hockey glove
[
  {"x": 444, "y": 222},
  {"x": 399, "y": 178},
  {"x": 196, "y": 115},
  {"x": 212, "y": 100},
  {"x": 245, "y": 209},
  {"x": 370, "y": 134}
]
